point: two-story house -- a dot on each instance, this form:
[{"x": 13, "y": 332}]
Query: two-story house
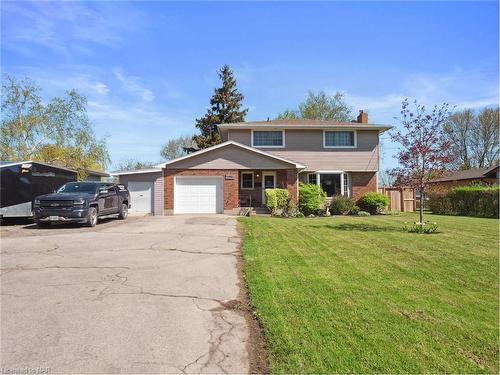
[{"x": 342, "y": 157}]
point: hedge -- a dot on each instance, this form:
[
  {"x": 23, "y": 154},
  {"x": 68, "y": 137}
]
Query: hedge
[{"x": 474, "y": 200}]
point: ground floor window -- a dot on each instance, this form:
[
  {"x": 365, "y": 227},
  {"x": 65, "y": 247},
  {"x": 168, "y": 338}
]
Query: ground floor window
[
  {"x": 347, "y": 184},
  {"x": 311, "y": 178},
  {"x": 332, "y": 183},
  {"x": 247, "y": 180}
]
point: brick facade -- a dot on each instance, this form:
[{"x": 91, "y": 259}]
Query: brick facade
[
  {"x": 286, "y": 179},
  {"x": 231, "y": 184},
  {"x": 362, "y": 182}
]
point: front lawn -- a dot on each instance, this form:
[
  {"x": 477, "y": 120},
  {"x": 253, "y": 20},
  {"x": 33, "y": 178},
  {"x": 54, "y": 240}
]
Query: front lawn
[{"x": 353, "y": 294}]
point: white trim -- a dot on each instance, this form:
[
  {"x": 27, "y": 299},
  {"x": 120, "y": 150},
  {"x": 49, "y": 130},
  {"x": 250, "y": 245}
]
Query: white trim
[
  {"x": 227, "y": 143},
  {"x": 241, "y": 183},
  {"x": 329, "y": 172},
  {"x": 342, "y": 174},
  {"x": 137, "y": 171},
  {"x": 338, "y": 131},
  {"x": 353, "y": 126},
  {"x": 269, "y": 130},
  {"x": 267, "y": 173}
]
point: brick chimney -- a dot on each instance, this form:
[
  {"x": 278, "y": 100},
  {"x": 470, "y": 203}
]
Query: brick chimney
[{"x": 363, "y": 117}]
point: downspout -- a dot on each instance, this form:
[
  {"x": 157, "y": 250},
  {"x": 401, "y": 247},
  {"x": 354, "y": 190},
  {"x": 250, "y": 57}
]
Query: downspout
[{"x": 298, "y": 172}]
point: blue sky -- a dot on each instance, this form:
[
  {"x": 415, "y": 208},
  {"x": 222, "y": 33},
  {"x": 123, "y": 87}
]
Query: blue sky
[{"x": 148, "y": 69}]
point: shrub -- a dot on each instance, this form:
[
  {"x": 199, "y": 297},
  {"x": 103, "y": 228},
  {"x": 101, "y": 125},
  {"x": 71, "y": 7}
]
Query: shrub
[
  {"x": 299, "y": 215},
  {"x": 474, "y": 200},
  {"x": 426, "y": 228},
  {"x": 311, "y": 199},
  {"x": 341, "y": 205},
  {"x": 278, "y": 201},
  {"x": 363, "y": 213},
  {"x": 372, "y": 202},
  {"x": 354, "y": 211}
]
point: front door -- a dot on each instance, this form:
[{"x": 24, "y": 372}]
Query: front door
[{"x": 268, "y": 182}]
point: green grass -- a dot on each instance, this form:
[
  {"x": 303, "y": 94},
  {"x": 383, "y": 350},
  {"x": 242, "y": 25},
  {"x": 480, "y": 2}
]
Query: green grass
[{"x": 353, "y": 294}]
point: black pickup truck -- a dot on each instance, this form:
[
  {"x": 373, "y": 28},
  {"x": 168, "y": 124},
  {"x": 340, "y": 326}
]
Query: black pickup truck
[{"x": 81, "y": 202}]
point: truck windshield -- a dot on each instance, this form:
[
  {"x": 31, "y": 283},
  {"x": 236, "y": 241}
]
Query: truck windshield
[{"x": 75, "y": 187}]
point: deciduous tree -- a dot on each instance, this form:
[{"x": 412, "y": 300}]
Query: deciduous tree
[
  {"x": 485, "y": 145},
  {"x": 58, "y": 132},
  {"x": 175, "y": 148},
  {"x": 133, "y": 164},
  {"x": 320, "y": 106},
  {"x": 424, "y": 150},
  {"x": 473, "y": 137},
  {"x": 225, "y": 107}
]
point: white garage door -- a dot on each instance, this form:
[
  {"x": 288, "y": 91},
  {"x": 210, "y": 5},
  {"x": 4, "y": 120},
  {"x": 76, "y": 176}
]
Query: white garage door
[
  {"x": 198, "y": 195},
  {"x": 141, "y": 196}
]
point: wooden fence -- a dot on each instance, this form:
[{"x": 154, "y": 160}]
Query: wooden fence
[{"x": 400, "y": 199}]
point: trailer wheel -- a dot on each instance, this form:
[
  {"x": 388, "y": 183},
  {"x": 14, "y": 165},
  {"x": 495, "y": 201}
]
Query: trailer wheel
[{"x": 92, "y": 217}]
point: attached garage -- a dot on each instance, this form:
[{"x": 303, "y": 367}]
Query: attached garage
[
  {"x": 141, "y": 194},
  {"x": 146, "y": 189},
  {"x": 208, "y": 181},
  {"x": 198, "y": 195}
]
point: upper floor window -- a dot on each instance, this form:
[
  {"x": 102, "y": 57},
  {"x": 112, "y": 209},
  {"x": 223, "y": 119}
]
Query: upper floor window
[
  {"x": 339, "y": 139},
  {"x": 268, "y": 138}
]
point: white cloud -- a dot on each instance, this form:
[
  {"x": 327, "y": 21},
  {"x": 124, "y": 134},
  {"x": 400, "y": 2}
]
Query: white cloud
[
  {"x": 86, "y": 83},
  {"x": 368, "y": 103},
  {"x": 133, "y": 85},
  {"x": 101, "y": 88},
  {"x": 171, "y": 91},
  {"x": 136, "y": 132},
  {"x": 66, "y": 27},
  {"x": 459, "y": 88}
]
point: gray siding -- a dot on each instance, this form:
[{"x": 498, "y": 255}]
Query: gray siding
[
  {"x": 157, "y": 193},
  {"x": 306, "y": 147},
  {"x": 230, "y": 157}
]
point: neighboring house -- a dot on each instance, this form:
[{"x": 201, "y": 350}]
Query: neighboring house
[
  {"x": 146, "y": 189},
  {"x": 341, "y": 157},
  {"x": 483, "y": 176},
  {"x": 96, "y": 175}
]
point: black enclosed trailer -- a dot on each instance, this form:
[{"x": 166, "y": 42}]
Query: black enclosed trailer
[{"x": 21, "y": 182}]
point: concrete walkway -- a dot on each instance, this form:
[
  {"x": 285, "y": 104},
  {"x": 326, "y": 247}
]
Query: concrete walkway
[{"x": 152, "y": 295}]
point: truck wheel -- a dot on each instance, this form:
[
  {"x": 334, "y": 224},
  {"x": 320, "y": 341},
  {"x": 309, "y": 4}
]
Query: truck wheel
[
  {"x": 123, "y": 211},
  {"x": 92, "y": 217},
  {"x": 43, "y": 224}
]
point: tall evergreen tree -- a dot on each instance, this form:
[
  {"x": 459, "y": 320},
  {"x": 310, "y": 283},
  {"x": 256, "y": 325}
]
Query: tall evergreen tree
[{"x": 225, "y": 107}]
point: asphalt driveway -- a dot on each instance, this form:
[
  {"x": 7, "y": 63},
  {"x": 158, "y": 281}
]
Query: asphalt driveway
[{"x": 149, "y": 295}]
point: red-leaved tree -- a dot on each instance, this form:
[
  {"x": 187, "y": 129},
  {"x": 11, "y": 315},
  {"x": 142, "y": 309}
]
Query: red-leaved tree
[{"x": 424, "y": 151}]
